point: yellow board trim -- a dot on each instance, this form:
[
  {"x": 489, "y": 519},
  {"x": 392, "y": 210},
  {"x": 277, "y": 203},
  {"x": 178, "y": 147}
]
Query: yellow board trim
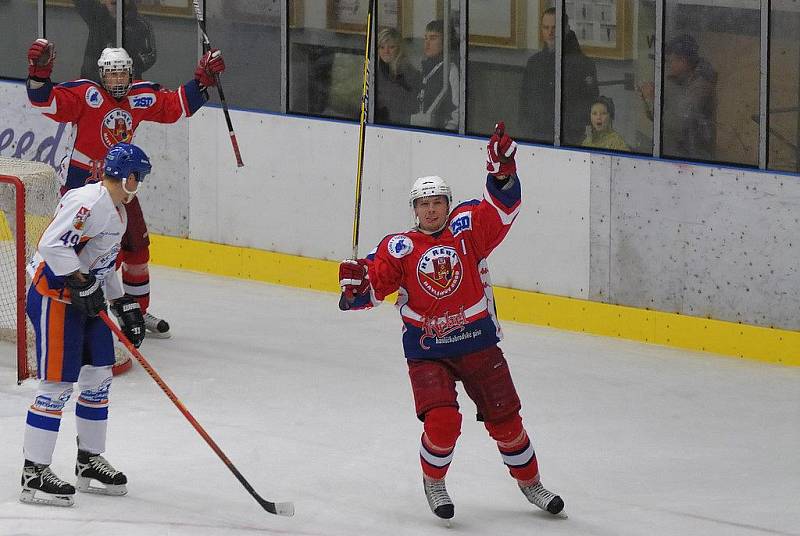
[{"x": 668, "y": 329}]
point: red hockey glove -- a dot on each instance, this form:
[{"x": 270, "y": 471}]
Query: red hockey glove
[
  {"x": 41, "y": 57},
  {"x": 353, "y": 278},
  {"x": 211, "y": 64},
  {"x": 500, "y": 152}
]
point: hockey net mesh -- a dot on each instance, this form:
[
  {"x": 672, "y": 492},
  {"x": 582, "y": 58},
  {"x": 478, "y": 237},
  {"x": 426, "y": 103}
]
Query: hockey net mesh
[{"x": 41, "y": 188}]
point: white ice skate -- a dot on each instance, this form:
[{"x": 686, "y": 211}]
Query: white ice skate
[
  {"x": 546, "y": 500},
  {"x": 157, "y": 328},
  {"x": 41, "y": 486},
  {"x": 438, "y": 499}
]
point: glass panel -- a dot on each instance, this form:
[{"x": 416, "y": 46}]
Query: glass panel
[
  {"x": 608, "y": 52},
  {"x": 784, "y": 86},
  {"x": 79, "y": 29},
  {"x": 18, "y": 29},
  {"x": 535, "y": 120},
  {"x": 326, "y": 58},
  {"x": 162, "y": 40},
  {"x": 413, "y": 85},
  {"x": 249, "y": 35},
  {"x": 711, "y": 93},
  {"x": 509, "y": 77}
]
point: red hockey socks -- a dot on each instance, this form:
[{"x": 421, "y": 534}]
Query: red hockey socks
[
  {"x": 516, "y": 449},
  {"x": 442, "y": 428},
  {"x": 136, "y": 276}
]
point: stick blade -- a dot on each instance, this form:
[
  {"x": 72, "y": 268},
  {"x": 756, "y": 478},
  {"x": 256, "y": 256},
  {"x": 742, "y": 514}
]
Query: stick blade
[{"x": 281, "y": 509}]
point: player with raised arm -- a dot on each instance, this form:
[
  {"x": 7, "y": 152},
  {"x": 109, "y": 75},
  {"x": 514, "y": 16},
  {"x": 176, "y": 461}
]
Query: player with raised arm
[
  {"x": 450, "y": 329},
  {"x": 73, "y": 274},
  {"x": 109, "y": 113}
]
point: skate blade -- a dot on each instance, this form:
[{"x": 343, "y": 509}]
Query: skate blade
[
  {"x": 157, "y": 335},
  {"x": 84, "y": 485},
  {"x": 30, "y": 496}
]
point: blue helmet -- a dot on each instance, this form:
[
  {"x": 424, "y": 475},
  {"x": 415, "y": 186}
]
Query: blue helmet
[{"x": 124, "y": 159}]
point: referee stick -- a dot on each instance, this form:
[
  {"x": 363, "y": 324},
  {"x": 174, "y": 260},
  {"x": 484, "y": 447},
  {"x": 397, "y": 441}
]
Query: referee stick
[
  {"x": 281, "y": 508},
  {"x": 361, "y": 128},
  {"x": 198, "y": 13}
]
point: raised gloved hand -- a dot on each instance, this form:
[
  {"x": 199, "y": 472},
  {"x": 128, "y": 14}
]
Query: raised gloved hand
[
  {"x": 500, "y": 152},
  {"x": 353, "y": 278},
  {"x": 86, "y": 293},
  {"x": 211, "y": 64},
  {"x": 130, "y": 318},
  {"x": 41, "y": 57}
]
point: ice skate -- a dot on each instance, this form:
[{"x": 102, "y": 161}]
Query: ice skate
[
  {"x": 157, "y": 328},
  {"x": 93, "y": 467},
  {"x": 546, "y": 500},
  {"x": 41, "y": 486},
  {"x": 438, "y": 499}
]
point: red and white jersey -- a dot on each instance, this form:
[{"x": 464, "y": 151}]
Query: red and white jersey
[
  {"x": 445, "y": 295},
  {"x": 101, "y": 121},
  {"x": 84, "y": 235}
]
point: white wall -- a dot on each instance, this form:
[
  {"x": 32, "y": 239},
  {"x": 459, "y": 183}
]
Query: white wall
[{"x": 699, "y": 240}]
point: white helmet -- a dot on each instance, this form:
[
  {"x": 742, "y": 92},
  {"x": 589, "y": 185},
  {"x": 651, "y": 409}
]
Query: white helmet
[
  {"x": 429, "y": 187},
  {"x": 114, "y": 60}
]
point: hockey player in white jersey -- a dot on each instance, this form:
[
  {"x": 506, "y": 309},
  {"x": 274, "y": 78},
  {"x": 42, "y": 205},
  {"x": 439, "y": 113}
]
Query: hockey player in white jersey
[{"x": 74, "y": 273}]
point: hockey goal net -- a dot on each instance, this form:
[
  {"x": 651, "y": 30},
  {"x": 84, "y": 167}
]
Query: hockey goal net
[{"x": 29, "y": 192}]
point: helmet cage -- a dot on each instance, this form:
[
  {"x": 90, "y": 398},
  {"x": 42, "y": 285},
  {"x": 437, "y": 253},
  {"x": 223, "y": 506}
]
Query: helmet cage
[{"x": 115, "y": 60}]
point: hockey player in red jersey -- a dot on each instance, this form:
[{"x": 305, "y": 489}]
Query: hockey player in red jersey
[
  {"x": 105, "y": 114},
  {"x": 445, "y": 299}
]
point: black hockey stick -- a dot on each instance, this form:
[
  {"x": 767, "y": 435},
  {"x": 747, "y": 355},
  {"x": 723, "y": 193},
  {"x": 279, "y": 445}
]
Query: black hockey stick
[
  {"x": 201, "y": 23},
  {"x": 281, "y": 508}
]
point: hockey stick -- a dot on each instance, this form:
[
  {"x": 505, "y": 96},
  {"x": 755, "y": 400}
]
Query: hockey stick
[
  {"x": 281, "y": 508},
  {"x": 198, "y": 13},
  {"x": 361, "y": 131},
  {"x": 343, "y": 305}
]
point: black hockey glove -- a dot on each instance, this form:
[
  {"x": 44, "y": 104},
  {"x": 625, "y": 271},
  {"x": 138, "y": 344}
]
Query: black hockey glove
[
  {"x": 130, "y": 318},
  {"x": 87, "y": 295}
]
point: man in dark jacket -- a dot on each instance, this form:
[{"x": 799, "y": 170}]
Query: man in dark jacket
[
  {"x": 579, "y": 87},
  {"x": 100, "y": 17}
]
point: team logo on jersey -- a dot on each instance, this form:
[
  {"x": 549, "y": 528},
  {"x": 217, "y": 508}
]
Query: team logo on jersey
[
  {"x": 439, "y": 271},
  {"x": 142, "y": 100},
  {"x": 80, "y": 218},
  {"x": 93, "y": 97},
  {"x": 400, "y": 246},
  {"x": 117, "y": 126}
]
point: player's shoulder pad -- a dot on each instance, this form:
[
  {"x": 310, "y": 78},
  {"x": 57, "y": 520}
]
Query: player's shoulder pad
[
  {"x": 461, "y": 217},
  {"x": 83, "y": 82},
  {"x": 145, "y": 85}
]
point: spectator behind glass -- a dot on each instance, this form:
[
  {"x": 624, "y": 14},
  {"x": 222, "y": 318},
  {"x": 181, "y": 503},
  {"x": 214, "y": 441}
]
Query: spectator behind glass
[
  {"x": 398, "y": 82},
  {"x": 688, "y": 120},
  {"x": 100, "y": 16},
  {"x": 438, "y": 102},
  {"x": 601, "y": 133},
  {"x": 579, "y": 86}
]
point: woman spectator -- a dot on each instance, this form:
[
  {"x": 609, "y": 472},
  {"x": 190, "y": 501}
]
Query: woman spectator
[{"x": 397, "y": 81}]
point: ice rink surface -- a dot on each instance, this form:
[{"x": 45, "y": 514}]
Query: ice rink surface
[{"x": 313, "y": 405}]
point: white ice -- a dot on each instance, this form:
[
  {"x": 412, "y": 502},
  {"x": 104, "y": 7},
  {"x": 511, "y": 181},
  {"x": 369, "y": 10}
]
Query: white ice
[{"x": 313, "y": 405}]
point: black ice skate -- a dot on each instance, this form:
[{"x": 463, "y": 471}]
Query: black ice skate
[
  {"x": 41, "y": 486},
  {"x": 546, "y": 500},
  {"x": 157, "y": 328},
  {"x": 94, "y": 467},
  {"x": 438, "y": 499}
]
